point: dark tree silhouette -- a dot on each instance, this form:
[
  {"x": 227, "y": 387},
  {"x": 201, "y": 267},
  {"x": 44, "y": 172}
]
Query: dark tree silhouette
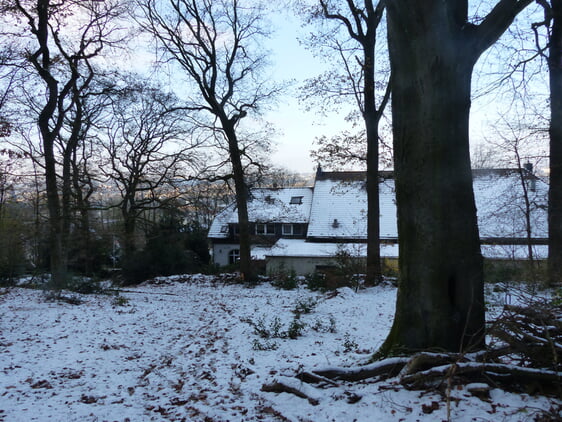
[
  {"x": 359, "y": 23},
  {"x": 216, "y": 44},
  {"x": 433, "y": 48}
]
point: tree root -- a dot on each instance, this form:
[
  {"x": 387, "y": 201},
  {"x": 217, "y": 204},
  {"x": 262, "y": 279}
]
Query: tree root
[{"x": 529, "y": 361}]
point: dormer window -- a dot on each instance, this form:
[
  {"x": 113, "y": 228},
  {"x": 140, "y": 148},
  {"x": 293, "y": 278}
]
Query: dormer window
[
  {"x": 296, "y": 200},
  {"x": 265, "y": 229},
  {"x": 287, "y": 229}
]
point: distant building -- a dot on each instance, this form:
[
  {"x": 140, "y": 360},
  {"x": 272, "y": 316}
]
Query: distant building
[{"x": 303, "y": 228}]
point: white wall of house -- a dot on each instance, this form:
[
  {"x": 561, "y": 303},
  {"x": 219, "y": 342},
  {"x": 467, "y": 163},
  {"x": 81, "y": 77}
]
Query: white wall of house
[
  {"x": 221, "y": 253},
  {"x": 301, "y": 265}
]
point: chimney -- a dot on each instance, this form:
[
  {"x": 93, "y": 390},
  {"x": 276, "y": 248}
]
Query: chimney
[{"x": 319, "y": 171}]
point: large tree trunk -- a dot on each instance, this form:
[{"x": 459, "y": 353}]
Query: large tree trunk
[
  {"x": 555, "y": 191},
  {"x": 433, "y": 49},
  {"x": 440, "y": 296}
]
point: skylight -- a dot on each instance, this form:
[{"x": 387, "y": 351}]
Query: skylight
[{"x": 297, "y": 200}]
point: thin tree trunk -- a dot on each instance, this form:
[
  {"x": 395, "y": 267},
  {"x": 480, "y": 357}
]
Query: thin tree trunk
[
  {"x": 372, "y": 116},
  {"x": 242, "y": 193},
  {"x": 524, "y": 177},
  {"x": 555, "y": 190},
  {"x": 129, "y": 229}
]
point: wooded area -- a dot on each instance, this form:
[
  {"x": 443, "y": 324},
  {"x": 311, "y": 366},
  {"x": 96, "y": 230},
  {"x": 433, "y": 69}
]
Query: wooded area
[{"x": 107, "y": 164}]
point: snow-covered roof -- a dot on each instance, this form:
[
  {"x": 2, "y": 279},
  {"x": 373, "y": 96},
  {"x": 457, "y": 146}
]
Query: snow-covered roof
[
  {"x": 303, "y": 248},
  {"x": 280, "y": 205},
  {"x": 336, "y": 207},
  {"x": 339, "y": 207},
  {"x": 500, "y": 204},
  {"x": 512, "y": 252},
  {"x": 292, "y": 248}
]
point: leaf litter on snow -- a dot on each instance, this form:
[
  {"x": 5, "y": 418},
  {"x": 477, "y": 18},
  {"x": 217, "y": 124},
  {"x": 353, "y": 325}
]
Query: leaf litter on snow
[{"x": 190, "y": 348}]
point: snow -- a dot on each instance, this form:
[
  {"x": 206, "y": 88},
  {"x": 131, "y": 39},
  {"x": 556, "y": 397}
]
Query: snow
[
  {"x": 336, "y": 208},
  {"x": 185, "y": 348},
  {"x": 267, "y": 205},
  {"x": 302, "y": 248}
]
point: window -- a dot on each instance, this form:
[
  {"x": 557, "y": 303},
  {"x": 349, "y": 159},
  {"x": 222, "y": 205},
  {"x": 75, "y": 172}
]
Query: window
[
  {"x": 296, "y": 200},
  {"x": 265, "y": 229},
  {"x": 234, "y": 256},
  {"x": 287, "y": 229},
  {"x": 292, "y": 229}
]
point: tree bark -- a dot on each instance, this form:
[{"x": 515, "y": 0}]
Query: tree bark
[
  {"x": 433, "y": 49},
  {"x": 42, "y": 62},
  {"x": 372, "y": 117},
  {"x": 241, "y": 200},
  {"x": 555, "y": 132}
]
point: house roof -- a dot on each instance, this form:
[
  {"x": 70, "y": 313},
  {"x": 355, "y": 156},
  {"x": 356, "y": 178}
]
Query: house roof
[
  {"x": 500, "y": 204},
  {"x": 302, "y": 248},
  {"x": 336, "y": 207},
  {"x": 289, "y": 248},
  {"x": 267, "y": 205},
  {"x": 339, "y": 207}
]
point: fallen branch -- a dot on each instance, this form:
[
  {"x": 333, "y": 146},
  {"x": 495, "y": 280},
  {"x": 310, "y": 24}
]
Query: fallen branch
[
  {"x": 312, "y": 378},
  {"x": 384, "y": 369},
  {"x": 507, "y": 375},
  {"x": 289, "y": 385}
]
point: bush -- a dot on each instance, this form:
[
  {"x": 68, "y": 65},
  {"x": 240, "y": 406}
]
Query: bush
[
  {"x": 500, "y": 271},
  {"x": 171, "y": 249},
  {"x": 286, "y": 280},
  {"x": 295, "y": 328},
  {"x": 85, "y": 286},
  {"x": 316, "y": 281},
  {"x": 350, "y": 268},
  {"x": 89, "y": 256},
  {"x": 304, "y": 306},
  {"x": 12, "y": 250}
]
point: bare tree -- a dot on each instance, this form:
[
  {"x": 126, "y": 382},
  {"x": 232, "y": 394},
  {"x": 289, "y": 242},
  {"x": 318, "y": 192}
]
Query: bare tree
[
  {"x": 147, "y": 144},
  {"x": 520, "y": 150},
  {"x": 64, "y": 36},
  {"x": 434, "y": 46},
  {"x": 553, "y": 24},
  {"x": 216, "y": 44},
  {"x": 353, "y": 45},
  {"x": 10, "y": 63}
]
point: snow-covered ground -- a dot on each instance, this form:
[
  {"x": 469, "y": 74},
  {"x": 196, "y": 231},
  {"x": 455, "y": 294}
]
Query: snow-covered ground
[{"x": 188, "y": 349}]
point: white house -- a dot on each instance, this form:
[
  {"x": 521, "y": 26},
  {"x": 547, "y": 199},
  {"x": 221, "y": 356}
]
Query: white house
[{"x": 304, "y": 228}]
